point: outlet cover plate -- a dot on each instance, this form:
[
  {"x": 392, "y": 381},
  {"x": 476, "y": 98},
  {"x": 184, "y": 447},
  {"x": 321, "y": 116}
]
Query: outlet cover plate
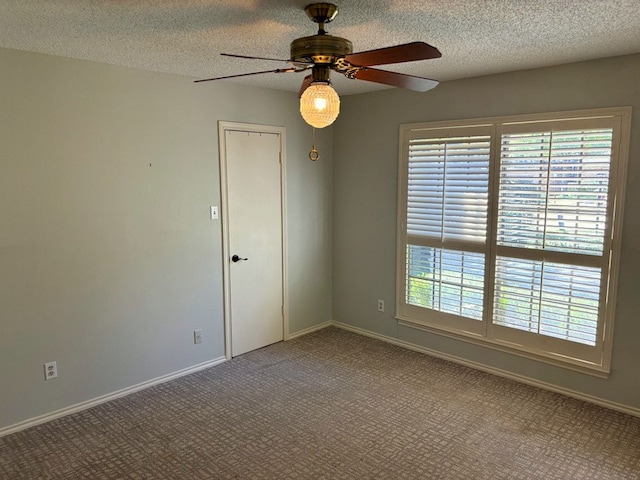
[{"x": 50, "y": 370}]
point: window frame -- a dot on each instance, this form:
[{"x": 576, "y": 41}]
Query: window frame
[{"x": 595, "y": 360}]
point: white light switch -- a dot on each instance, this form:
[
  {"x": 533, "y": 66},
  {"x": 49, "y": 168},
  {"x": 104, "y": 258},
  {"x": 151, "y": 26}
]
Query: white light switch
[{"x": 214, "y": 212}]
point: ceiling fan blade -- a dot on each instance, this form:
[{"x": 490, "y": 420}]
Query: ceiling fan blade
[
  {"x": 305, "y": 84},
  {"x": 410, "y": 82},
  {"x": 255, "y": 58},
  {"x": 278, "y": 70},
  {"x": 409, "y": 52}
]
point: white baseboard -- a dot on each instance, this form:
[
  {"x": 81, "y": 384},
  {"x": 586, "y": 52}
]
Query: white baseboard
[
  {"x": 165, "y": 378},
  {"x": 309, "y": 330},
  {"x": 496, "y": 371},
  {"x": 47, "y": 417}
]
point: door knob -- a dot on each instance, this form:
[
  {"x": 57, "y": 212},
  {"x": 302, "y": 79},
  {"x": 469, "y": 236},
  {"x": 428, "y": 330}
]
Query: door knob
[{"x": 236, "y": 258}]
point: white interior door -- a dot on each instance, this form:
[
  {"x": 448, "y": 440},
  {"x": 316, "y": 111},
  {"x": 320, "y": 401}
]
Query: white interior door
[{"x": 255, "y": 239}]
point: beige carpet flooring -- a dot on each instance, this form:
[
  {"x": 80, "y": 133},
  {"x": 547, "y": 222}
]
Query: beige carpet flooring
[{"x": 332, "y": 405}]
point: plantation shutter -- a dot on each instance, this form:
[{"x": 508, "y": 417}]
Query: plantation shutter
[
  {"x": 553, "y": 190},
  {"x": 552, "y": 226},
  {"x": 509, "y": 232},
  {"x": 448, "y": 188},
  {"x": 447, "y": 202}
]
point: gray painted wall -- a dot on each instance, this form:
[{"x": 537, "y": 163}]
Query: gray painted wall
[
  {"x": 364, "y": 205},
  {"x": 108, "y": 257},
  {"x": 107, "y": 263}
]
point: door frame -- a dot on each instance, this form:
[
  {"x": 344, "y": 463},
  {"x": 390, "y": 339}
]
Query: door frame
[{"x": 223, "y": 127}]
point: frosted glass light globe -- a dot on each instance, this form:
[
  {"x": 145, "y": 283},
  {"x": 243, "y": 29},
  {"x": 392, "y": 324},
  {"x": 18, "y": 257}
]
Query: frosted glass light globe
[{"x": 319, "y": 105}]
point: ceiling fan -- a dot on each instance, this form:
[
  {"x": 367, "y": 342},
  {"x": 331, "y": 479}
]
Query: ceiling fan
[{"x": 321, "y": 53}]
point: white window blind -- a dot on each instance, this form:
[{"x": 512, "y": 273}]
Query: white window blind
[
  {"x": 554, "y": 190},
  {"x": 510, "y": 231},
  {"x": 447, "y": 197},
  {"x": 553, "y": 196},
  {"x": 548, "y": 298},
  {"x": 448, "y": 188},
  {"x": 446, "y": 280}
]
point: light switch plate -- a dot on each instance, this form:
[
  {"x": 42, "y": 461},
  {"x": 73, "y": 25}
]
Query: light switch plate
[
  {"x": 197, "y": 336},
  {"x": 214, "y": 212}
]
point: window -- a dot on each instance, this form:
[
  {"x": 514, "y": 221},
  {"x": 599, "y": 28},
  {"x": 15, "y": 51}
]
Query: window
[{"x": 509, "y": 231}]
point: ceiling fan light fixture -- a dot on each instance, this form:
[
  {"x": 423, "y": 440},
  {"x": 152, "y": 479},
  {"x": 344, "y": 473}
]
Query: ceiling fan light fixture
[{"x": 320, "y": 105}]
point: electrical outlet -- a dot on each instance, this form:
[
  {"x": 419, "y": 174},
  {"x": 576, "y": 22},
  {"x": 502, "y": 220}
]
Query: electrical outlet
[
  {"x": 197, "y": 336},
  {"x": 50, "y": 370},
  {"x": 381, "y": 305}
]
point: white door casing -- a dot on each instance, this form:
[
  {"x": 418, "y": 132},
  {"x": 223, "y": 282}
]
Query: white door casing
[{"x": 253, "y": 223}]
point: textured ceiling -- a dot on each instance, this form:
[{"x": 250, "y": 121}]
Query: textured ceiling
[{"x": 186, "y": 37}]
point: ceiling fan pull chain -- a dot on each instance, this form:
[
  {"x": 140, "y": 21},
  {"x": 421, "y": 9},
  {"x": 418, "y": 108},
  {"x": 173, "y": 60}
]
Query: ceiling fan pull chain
[{"x": 314, "y": 154}]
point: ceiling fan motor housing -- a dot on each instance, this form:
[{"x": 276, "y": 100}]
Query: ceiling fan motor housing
[{"x": 319, "y": 49}]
